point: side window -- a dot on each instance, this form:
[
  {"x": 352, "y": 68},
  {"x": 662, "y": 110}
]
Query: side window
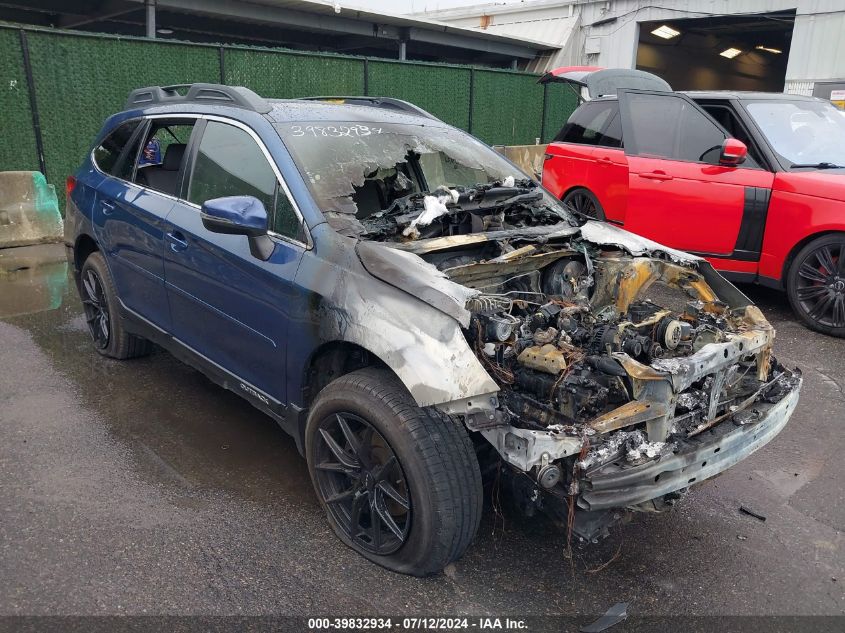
[
  {"x": 728, "y": 120},
  {"x": 587, "y": 122},
  {"x": 230, "y": 163},
  {"x": 700, "y": 139},
  {"x": 283, "y": 219},
  {"x": 654, "y": 124},
  {"x": 162, "y": 151},
  {"x": 611, "y": 136},
  {"x": 108, "y": 155},
  {"x": 670, "y": 127},
  {"x": 159, "y": 139}
]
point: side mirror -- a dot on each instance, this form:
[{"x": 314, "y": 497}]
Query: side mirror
[
  {"x": 239, "y": 215},
  {"x": 733, "y": 153}
]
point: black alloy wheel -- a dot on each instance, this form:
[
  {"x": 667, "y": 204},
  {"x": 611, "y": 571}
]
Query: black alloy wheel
[
  {"x": 362, "y": 483},
  {"x": 585, "y": 203},
  {"x": 96, "y": 308},
  {"x": 816, "y": 284}
]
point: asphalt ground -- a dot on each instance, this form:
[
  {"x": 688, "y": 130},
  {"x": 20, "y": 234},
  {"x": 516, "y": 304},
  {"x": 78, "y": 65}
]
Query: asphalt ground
[{"x": 141, "y": 488}]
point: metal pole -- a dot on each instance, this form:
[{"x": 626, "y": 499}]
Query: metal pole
[
  {"x": 366, "y": 77},
  {"x": 545, "y": 112},
  {"x": 222, "y": 55},
  {"x": 33, "y": 105},
  {"x": 513, "y": 64},
  {"x": 471, "y": 97},
  {"x": 151, "y": 19},
  {"x": 402, "y": 50}
]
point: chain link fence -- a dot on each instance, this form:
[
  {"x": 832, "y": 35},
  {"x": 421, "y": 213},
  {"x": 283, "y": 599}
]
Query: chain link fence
[{"x": 59, "y": 86}]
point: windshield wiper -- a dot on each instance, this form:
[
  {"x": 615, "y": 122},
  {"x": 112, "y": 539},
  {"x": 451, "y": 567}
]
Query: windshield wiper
[{"x": 816, "y": 166}]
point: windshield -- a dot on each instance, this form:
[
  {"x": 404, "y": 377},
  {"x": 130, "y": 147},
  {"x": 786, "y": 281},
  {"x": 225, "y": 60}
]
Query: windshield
[
  {"x": 802, "y": 132},
  {"x": 356, "y": 172}
]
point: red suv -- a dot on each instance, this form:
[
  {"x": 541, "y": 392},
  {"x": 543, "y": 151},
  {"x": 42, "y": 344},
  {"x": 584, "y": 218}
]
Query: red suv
[{"x": 753, "y": 182}]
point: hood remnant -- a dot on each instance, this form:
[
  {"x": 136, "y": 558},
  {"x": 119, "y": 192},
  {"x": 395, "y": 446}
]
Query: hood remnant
[{"x": 502, "y": 204}]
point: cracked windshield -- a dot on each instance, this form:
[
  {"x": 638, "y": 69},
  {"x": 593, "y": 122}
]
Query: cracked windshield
[{"x": 404, "y": 182}]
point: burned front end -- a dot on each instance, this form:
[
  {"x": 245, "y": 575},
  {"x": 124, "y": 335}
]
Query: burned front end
[
  {"x": 627, "y": 372},
  {"x": 607, "y": 371}
]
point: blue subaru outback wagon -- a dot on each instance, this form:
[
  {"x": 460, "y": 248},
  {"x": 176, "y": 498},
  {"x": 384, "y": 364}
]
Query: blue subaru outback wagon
[{"x": 420, "y": 315}]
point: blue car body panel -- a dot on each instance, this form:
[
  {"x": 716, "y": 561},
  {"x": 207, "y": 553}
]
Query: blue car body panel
[{"x": 252, "y": 324}]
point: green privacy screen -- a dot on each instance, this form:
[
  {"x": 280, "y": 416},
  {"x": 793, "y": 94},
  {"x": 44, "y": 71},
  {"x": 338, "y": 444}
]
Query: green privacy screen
[
  {"x": 17, "y": 137},
  {"x": 442, "y": 90},
  {"x": 507, "y": 107},
  {"x": 286, "y": 75},
  {"x": 80, "y": 79}
]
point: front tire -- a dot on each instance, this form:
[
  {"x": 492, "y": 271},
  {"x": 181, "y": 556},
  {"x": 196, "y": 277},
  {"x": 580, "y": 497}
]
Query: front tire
[
  {"x": 815, "y": 284},
  {"x": 400, "y": 484},
  {"x": 100, "y": 304}
]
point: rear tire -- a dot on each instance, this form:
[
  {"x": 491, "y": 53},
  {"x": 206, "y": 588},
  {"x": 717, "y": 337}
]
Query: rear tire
[
  {"x": 102, "y": 313},
  {"x": 435, "y": 476},
  {"x": 585, "y": 202},
  {"x": 815, "y": 284}
]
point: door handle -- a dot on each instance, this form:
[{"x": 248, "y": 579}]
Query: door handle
[
  {"x": 108, "y": 207},
  {"x": 177, "y": 241},
  {"x": 656, "y": 175},
  {"x": 604, "y": 161}
]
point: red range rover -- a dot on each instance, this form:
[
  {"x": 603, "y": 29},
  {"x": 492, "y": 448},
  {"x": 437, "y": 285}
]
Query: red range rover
[{"x": 753, "y": 182}]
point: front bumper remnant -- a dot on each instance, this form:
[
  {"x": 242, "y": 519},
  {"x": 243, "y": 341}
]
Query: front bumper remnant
[{"x": 618, "y": 485}]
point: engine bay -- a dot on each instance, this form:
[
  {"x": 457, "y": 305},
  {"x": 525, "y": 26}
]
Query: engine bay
[
  {"x": 613, "y": 355},
  {"x": 588, "y": 343}
]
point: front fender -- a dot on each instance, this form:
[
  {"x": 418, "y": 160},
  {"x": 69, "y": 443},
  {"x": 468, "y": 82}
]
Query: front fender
[{"x": 424, "y": 346}]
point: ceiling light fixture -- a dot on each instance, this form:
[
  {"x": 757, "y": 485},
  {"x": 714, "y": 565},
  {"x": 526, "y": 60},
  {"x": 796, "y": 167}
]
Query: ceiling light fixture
[
  {"x": 730, "y": 53},
  {"x": 666, "y": 32},
  {"x": 164, "y": 31},
  {"x": 776, "y": 51}
]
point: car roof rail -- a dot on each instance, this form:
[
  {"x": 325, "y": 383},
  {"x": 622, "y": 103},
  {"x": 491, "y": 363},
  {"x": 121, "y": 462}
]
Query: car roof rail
[
  {"x": 204, "y": 94},
  {"x": 388, "y": 103}
]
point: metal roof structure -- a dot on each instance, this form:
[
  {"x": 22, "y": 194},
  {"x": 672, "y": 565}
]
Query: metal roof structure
[{"x": 306, "y": 24}]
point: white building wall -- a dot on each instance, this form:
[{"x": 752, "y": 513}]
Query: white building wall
[{"x": 817, "y": 51}]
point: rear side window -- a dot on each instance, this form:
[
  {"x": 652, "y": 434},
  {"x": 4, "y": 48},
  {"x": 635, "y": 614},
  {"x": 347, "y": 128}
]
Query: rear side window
[
  {"x": 114, "y": 150},
  {"x": 230, "y": 163},
  {"x": 162, "y": 154},
  {"x": 595, "y": 123}
]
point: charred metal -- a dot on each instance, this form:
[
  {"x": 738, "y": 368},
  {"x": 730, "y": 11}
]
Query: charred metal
[
  {"x": 540, "y": 330},
  {"x": 606, "y": 395}
]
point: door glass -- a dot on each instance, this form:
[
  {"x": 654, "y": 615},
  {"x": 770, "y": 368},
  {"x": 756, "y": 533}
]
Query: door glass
[
  {"x": 654, "y": 124},
  {"x": 586, "y": 123},
  {"x": 284, "y": 220},
  {"x": 159, "y": 139},
  {"x": 230, "y": 163},
  {"x": 700, "y": 138},
  {"x": 727, "y": 119},
  {"x": 671, "y": 127},
  {"x": 114, "y": 146},
  {"x": 160, "y": 159}
]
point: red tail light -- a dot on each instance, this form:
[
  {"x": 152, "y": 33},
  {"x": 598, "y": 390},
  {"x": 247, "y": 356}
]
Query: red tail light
[{"x": 70, "y": 185}]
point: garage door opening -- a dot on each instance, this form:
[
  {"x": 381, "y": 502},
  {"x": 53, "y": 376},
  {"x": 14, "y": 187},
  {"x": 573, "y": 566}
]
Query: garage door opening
[{"x": 719, "y": 53}]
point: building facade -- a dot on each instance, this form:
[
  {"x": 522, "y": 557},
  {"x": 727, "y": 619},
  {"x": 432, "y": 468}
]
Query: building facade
[{"x": 797, "y": 46}]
